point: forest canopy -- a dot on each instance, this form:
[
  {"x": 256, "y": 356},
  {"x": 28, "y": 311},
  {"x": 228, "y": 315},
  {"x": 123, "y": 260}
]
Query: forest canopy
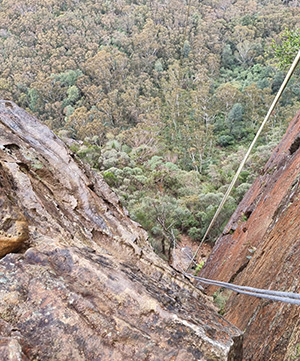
[{"x": 163, "y": 100}]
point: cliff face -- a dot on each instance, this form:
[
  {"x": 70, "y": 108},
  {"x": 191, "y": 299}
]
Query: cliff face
[
  {"x": 260, "y": 247},
  {"x": 84, "y": 283}
]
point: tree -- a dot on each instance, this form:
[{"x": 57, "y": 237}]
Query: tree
[
  {"x": 234, "y": 120},
  {"x": 286, "y": 50}
]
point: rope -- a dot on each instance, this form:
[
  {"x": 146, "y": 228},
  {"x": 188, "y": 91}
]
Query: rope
[
  {"x": 287, "y": 297},
  {"x": 278, "y": 95}
]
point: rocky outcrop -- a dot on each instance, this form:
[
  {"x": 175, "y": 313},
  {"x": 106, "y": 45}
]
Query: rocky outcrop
[
  {"x": 260, "y": 248},
  {"x": 83, "y": 283}
]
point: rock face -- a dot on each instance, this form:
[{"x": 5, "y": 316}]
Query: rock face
[
  {"x": 85, "y": 284},
  {"x": 260, "y": 247}
]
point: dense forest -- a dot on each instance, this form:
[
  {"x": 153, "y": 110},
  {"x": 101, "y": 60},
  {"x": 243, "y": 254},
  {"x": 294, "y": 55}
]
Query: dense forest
[{"x": 163, "y": 97}]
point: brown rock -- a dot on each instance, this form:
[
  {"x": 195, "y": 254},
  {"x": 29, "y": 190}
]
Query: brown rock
[
  {"x": 10, "y": 343},
  {"x": 86, "y": 284},
  {"x": 13, "y": 242},
  {"x": 260, "y": 248}
]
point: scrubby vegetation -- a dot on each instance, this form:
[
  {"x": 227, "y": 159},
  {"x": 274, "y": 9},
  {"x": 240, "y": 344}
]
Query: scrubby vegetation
[
  {"x": 165, "y": 100},
  {"x": 165, "y": 198}
]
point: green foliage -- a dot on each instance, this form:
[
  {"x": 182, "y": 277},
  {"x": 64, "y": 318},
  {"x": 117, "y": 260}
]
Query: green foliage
[
  {"x": 286, "y": 51},
  {"x": 158, "y": 66},
  {"x": 228, "y": 59},
  {"x": 241, "y": 190},
  {"x": 165, "y": 119},
  {"x": 296, "y": 352},
  {"x": 143, "y": 73},
  {"x": 226, "y": 140},
  {"x": 236, "y": 113},
  {"x": 67, "y": 78},
  {"x": 220, "y": 299},
  {"x": 69, "y": 110},
  {"x": 195, "y": 233},
  {"x": 113, "y": 144},
  {"x": 186, "y": 49},
  {"x": 89, "y": 153},
  {"x": 73, "y": 94},
  {"x": 199, "y": 267},
  {"x": 110, "y": 178},
  {"x": 164, "y": 199},
  {"x": 111, "y": 157},
  {"x": 277, "y": 81},
  {"x": 154, "y": 162},
  {"x": 234, "y": 120},
  {"x": 33, "y": 97}
]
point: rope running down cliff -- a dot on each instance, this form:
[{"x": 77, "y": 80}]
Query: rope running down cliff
[{"x": 278, "y": 95}]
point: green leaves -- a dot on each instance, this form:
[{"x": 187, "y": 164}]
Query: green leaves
[
  {"x": 286, "y": 51},
  {"x": 163, "y": 116}
]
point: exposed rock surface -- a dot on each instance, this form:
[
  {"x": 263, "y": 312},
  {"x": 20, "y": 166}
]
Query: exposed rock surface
[
  {"x": 260, "y": 248},
  {"x": 85, "y": 284}
]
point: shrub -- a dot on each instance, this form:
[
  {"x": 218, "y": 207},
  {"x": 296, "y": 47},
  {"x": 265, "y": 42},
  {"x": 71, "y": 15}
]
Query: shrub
[
  {"x": 110, "y": 178},
  {"x": 195, "y": 233}
]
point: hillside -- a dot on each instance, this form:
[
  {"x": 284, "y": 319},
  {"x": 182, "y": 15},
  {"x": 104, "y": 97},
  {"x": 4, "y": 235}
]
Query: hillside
[
  {"x": 157, "y": 102},
  {"x": 165, "y": 96}
]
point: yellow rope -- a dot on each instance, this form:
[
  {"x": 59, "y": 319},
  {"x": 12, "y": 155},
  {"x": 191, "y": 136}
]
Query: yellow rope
[{"x": 278, "y": 95}]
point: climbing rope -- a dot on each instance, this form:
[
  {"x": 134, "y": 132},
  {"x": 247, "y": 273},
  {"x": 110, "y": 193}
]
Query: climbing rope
[{"x": 278, "y": 95}]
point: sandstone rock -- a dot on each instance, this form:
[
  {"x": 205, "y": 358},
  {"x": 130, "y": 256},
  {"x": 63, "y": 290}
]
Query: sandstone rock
[
  {"x": 260, "y": 248},
  {"x": 86, "y": 284}
]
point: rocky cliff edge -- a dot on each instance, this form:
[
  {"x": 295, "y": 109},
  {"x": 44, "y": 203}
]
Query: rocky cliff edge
[
  {"x": 82, "y": 282},
  {"x": 260, "y": 248}
]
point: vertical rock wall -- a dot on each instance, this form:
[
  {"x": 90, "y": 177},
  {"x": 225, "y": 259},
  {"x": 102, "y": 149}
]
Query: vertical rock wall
[{"x": 260, "y": 247}]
